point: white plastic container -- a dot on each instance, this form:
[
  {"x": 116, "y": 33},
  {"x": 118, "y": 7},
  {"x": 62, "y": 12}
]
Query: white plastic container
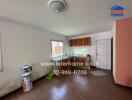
[{"x": 27, "y": 82}]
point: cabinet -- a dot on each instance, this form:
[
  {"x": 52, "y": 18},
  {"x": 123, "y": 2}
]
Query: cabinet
[{"x": 80, "y": 41}]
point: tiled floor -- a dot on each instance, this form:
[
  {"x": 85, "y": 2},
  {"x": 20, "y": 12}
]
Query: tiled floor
[{"x": 74, "y": 87}]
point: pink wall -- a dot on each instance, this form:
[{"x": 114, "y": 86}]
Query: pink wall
[{"x": 124, "y": 52}]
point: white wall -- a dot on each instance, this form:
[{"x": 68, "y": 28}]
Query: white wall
[
  {"x": 94, "y": 38},
  {"x": 23, "y": 45}
]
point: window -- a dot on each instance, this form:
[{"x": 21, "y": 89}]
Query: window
[
  {"x": 80, "y": 51},
  {"x": 57, "y": 48}
]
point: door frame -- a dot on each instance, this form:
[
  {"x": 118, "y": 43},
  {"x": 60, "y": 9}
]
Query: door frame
[
  {"x": 97, "y": 50},
  {"x": 112, "y": 55}
]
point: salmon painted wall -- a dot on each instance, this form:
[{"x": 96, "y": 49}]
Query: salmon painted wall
[{"x": 124, "y": 52}]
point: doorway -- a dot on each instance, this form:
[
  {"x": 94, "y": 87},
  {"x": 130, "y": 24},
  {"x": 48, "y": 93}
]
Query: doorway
[{"x": 103, "y": 53}]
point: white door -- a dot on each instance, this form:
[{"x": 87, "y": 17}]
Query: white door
[{"x": 104, "y": 53}]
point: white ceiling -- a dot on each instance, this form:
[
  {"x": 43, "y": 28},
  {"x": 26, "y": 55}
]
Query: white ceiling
[{"x": 81, "y": 17}]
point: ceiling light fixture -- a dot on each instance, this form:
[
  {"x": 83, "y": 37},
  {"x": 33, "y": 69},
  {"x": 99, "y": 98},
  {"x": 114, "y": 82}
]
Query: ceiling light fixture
[{"x": 57, "y": 6}]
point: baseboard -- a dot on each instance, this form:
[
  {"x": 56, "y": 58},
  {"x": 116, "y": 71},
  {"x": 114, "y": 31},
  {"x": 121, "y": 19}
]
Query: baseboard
[{"x": 20, "y": 87}]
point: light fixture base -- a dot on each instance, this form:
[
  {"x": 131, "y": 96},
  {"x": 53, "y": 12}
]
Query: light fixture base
[{"x": 57, "y": 6}]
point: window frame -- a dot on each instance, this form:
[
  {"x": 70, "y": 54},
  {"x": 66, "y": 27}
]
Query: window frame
[
  {"x": 73, "y": 51},
  {"x": 51, "y": 47}
]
